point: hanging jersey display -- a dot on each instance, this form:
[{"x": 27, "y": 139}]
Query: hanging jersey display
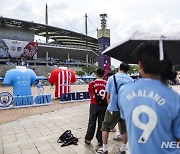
[
  {"x": 62, "y": 78},
  {"x": 20, "y": 79}
]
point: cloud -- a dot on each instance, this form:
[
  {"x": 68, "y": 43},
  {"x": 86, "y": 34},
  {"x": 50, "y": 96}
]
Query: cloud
[{"x": 124, "y": 17}]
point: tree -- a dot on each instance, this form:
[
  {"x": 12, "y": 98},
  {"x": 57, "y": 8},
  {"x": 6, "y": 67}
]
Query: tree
[
  {"x": 89, "y": 69},
  {"x": 133, "y": 69},
  {"x": 80, "y": 72}
]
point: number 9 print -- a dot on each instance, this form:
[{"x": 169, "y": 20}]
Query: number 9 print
[
  {"x": 101, "y": 93},
  {"x": 146, "y": 127}
]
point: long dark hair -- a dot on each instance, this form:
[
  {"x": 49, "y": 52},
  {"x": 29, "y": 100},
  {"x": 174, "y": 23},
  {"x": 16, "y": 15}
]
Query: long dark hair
[{"x": 148, "y": 55}]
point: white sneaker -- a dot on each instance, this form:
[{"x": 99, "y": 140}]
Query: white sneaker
[{"x": 100, "y": 151}]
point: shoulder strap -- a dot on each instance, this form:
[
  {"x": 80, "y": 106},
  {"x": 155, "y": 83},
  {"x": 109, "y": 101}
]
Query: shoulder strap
[
  {"x": 115, "y": 83},
  {"x": 116, "y": 88}
]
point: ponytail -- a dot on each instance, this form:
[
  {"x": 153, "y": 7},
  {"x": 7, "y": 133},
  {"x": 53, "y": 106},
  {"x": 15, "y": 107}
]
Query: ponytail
[{"x": 168, "y": 74}]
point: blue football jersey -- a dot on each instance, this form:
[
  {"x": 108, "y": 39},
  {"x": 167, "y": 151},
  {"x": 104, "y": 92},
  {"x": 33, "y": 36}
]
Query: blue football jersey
[
  {"x": 121, "y": 79},
  {"x": 152, "y": 114},
  {"x": 20, "y": 80}
]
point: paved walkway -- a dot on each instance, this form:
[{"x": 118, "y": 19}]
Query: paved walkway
[
  {"x": 35, "y": 130},
  {"x": 39, "y": 133}
]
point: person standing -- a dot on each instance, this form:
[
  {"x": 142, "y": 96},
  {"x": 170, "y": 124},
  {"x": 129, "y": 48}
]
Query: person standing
[
  {"x": 118, "y": 137},
  {"x": 112, "y": 115},
  {"x": 39, "y": 86},
  {"x": 97, "y": 111},
  {"x": 150, "y": 108}
]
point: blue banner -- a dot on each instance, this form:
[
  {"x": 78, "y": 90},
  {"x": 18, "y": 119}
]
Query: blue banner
[{"x": 104, "y": 62}]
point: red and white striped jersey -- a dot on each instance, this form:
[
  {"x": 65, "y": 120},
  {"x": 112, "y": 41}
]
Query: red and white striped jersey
[{"x": 62, "y": 80}]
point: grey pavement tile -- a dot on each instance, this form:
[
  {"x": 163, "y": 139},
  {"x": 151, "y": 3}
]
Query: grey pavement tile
[
  {"x": 30, "y": 151},
  {"x": 49, "y": 124},
  {"x": 53, "y": 128},
  {"x": 35, "y": 135},
  {"x": 22, "y": 136},
  {"x": 32, "y": 131},
  {"x": 8, "y": 133},
  {"x": 45, "y": 131},
  {"x": 39, "y": 133},
  {"x": 53, "y": 136},
  {"x": 28, "y": 126},
  {"x": 9, "y": 139},
  {"x": 12, "y": 149},
  {"x": 45, "y": 147},
  {"x": 64, "y": 150},
  {"x": 57, "y": 131},
  {"x": 1, "y": 141},
  {"x": 50, "y": 152},
  {"x": 16, "y": 153},
  {"x": 27, "y": 146},
  {"x": 1, "y": 149},
  {"x": 39, "y": 144},
  {"x": 5, "y": 129}
]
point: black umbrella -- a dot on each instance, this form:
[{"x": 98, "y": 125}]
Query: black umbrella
[{"x": 126, "y": 51}]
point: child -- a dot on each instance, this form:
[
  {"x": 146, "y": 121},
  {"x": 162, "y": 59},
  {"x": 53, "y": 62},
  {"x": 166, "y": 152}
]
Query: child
[{"x": 39, "y": 86}]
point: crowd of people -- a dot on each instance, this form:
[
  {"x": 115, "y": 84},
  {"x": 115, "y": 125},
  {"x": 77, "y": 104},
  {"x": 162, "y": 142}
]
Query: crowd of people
[{"x": 146, "y": 110}]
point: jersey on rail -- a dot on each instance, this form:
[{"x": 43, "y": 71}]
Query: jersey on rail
[
  {"x": 21, "y": 80},
  {"x": 62, "y": 80}
]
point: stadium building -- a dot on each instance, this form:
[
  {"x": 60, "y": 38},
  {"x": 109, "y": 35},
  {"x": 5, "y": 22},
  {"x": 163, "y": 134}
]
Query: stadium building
[{"x": 65, "y": 47}]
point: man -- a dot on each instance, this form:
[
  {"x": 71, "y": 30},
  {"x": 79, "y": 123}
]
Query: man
[
  {"x": 112, "y": 115},
  {"x": 118, "y": 137},
  {"x": 150, "y": 108},
  {"x": 96, "y": 111}
]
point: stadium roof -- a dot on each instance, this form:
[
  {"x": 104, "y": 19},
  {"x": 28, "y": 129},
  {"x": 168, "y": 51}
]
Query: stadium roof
[{"x": 59, "y": 35}]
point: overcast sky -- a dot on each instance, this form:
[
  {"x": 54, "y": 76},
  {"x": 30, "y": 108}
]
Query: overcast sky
[{"x": 124, "y": 16}]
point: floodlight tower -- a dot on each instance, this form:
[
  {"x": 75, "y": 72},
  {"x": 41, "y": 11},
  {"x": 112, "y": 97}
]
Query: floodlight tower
[
  {"x": 103, "y": 35},
  {"x": 46, "y": 22},
  {"x": 47, "y": 37}
]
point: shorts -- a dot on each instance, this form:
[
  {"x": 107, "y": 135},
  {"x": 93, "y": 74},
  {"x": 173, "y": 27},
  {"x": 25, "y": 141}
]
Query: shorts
[{"x": 110, "y": 121}]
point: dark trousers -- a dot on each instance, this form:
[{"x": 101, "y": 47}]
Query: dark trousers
[{"x": 96, "y": 113}]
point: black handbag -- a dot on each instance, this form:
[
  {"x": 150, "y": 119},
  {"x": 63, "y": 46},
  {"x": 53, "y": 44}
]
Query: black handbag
[{"x": 67, "y": 138}]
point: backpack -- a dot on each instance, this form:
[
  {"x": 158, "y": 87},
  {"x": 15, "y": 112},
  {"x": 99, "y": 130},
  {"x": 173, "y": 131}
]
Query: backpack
[
  {"x": 67, "y": 138},
  {"x": 98, "y": 98}
]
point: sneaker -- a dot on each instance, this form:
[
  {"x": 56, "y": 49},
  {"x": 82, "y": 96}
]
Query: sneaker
[
  {"x": 120, "y": 152},
  {"x": 100, "y": 151},
  {"x": 118, "y": 137},
  {"x": 99, "y": 144}
]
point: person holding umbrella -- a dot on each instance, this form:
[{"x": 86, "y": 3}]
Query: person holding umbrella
[{"x": 150, "y": 108}]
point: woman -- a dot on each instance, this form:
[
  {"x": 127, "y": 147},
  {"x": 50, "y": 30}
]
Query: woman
[{"x": 150, "y": 108}]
